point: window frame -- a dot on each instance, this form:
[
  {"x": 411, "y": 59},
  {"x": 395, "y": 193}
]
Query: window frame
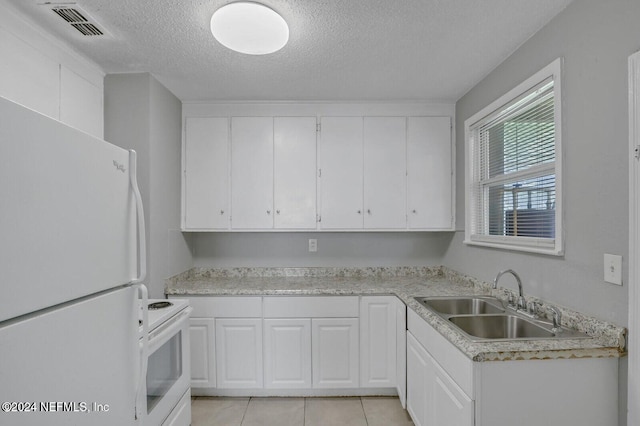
[{"x": 548, "y": 246}]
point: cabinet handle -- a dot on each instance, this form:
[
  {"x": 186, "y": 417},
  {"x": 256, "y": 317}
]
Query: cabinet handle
[
  {"x": 277, "y": 211},
  {"x": 268, "y": 211},
  {"x": 359, "y": 211},
  {"x": 413, "y": 211},
  {"x": 221, "y": 211},
  {"x": 368, "y": 211}
]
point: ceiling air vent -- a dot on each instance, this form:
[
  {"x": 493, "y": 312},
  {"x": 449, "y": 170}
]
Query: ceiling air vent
[{"x": 78, "y": 19}]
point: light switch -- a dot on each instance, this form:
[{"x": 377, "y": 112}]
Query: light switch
[{"x": 613, "y": 269}]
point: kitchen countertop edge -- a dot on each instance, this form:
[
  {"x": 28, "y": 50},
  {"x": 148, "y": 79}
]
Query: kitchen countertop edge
[{"x": 608, "y": 340}]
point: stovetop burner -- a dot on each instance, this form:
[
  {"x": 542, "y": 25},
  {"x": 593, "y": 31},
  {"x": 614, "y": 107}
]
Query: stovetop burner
[
  {"x": 159, "y": 305},
  {"x": 161, "y": 310}
]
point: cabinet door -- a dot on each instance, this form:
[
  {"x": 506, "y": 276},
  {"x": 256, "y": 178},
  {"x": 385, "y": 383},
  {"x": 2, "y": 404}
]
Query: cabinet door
[
  {"x": 433, "y": 398},
  {"x": 294, "y": 160},
  {"x": 450, "y": 406},
  {"x": 202, "y": 346},
  {"x": 29, "y": 77},
  {"x": 334, "y": 347},
  {"x": 417, "y": 367},
  {"x": 378, "y": 341},
  {"x": 287, "y": 353},
  {"x": 429, "y": 173},
  {"x": 385, "y": 173},
  {"x": 401, "y": 351},
  {"x": 341, "y": 173},
  {"x": 206, "y": 173},
  {"x": 239, "y": 353},
  {"x": 252, "y": 172}
]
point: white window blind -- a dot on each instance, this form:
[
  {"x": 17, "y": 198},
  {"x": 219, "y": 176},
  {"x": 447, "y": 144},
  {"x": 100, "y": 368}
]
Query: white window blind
[{"x": 514, "y": 171}]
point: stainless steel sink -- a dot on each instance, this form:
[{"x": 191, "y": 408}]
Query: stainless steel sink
[
  {"x": 484, "y": 318},
  {"x": 462, "y": 305},
  {"x": 500, "y": 327}
]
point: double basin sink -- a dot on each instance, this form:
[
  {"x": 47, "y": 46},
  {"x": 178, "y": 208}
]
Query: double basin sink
[{"x": 485, "y": 319}]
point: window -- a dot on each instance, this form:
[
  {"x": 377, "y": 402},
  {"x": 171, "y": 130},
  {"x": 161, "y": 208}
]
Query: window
[{"x": 513, "y": 171}]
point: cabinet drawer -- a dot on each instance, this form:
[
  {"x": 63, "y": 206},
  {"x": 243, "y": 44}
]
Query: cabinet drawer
[
  {"x": 454, "y": 362},
  {"x": 226, "y": 307},
  {"x": 311, "y": 307}
]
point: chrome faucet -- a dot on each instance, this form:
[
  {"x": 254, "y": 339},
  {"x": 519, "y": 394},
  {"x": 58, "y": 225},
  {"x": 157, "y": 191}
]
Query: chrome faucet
[
  {"x": 522, "y": 304},
  {"x": 556, "y": 316}
]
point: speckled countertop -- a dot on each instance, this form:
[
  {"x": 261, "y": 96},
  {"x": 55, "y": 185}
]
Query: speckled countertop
[{"x": 607, "y": 340}]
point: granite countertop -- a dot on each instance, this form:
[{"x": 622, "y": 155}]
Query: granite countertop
[{"x": 607, "y": 340}]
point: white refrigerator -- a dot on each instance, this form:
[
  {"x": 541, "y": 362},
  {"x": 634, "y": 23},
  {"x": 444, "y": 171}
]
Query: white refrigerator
[{"x": 71, "y": 262}]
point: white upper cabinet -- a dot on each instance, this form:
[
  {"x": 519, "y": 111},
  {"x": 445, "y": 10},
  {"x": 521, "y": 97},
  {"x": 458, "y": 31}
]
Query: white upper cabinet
[
  {"x": 300, "y": 173},
  {"x": 206, "y": 173},
  {"x": 341, "y": 176},
  {"x": 429, "y": 173},
  {"x": 252, "y": 173},
  {"x": 294, "y": 180},
  {"x": 385, "y": 171},
  {"x": 28, "y": 77},
  {"x": 47, "y": 76}
]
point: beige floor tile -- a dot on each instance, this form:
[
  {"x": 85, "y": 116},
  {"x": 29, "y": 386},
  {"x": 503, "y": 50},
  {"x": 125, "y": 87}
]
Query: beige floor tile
[
  {"x": 218, "y": 411},
  {"x": 385, "y": 411},
  {"x": 274, "y": 412},
  {"x": 334, "y": 412}
]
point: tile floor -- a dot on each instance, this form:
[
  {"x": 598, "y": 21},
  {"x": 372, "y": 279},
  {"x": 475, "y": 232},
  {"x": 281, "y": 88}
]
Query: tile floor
[{"x": 363, "y": 411}]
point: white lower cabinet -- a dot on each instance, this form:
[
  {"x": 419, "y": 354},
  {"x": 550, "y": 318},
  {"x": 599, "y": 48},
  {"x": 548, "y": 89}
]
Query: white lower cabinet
[
  {"x": 203, "y": 352},
  {"x": 295, "y": 343},
  {"x": 239, "y": 353},
  {"x": 417, "y": 365},
  {"x": 378, "y": 341},
  {"x": 319, "y": 351},
  {"x": 444, "y": 387},
  {"x": 287, "y": 353},
  {"x": 401, "y": 351},
  {"x": 335, "y": 352},
  {"x": 451, "y": 406},
  {"x": 433, "y": 398}
]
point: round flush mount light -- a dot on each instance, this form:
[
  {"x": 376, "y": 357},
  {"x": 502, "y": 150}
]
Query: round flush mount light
[{"x": 250, "y": 28}]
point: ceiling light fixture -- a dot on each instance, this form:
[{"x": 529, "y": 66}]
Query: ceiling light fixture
[{"x": 250, "y": 28}]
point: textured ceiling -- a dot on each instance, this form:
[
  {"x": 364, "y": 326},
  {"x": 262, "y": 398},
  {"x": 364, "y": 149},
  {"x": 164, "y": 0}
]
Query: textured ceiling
[{"x": 338, "y": 49}]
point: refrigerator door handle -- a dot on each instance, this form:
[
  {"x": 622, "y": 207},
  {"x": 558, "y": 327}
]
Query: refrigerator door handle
[
  {"x": 142, "y": 239},
  {"x": 144, "y": 354}
]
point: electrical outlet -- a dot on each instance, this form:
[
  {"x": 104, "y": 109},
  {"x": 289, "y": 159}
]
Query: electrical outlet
[
  {"x": 613, "y": 269},
  {"x": 313, "y": 245}
]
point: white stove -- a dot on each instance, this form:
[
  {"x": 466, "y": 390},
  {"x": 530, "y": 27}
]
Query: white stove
[
  {"x": 160, "y": 310},
  {"x": 167, "y": 385}
]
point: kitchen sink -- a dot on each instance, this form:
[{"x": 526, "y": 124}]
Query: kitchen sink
[
  {"x": 462, "y": 305},
  {"x": 500, "y": 327},
  {"x": 484, "y": 318}
]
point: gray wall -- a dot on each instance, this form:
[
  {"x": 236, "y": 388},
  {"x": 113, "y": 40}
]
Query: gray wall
[
  {"x": 142, "y": 114},
  {"x": 334, "y": 249},
  {"x": 595, "y": 38}
]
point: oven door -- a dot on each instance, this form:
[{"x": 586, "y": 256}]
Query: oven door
[{"x": 168, "y": 368}]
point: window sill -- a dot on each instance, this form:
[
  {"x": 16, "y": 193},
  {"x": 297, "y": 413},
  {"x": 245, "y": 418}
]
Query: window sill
[{"x": 527, "y": 245}]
